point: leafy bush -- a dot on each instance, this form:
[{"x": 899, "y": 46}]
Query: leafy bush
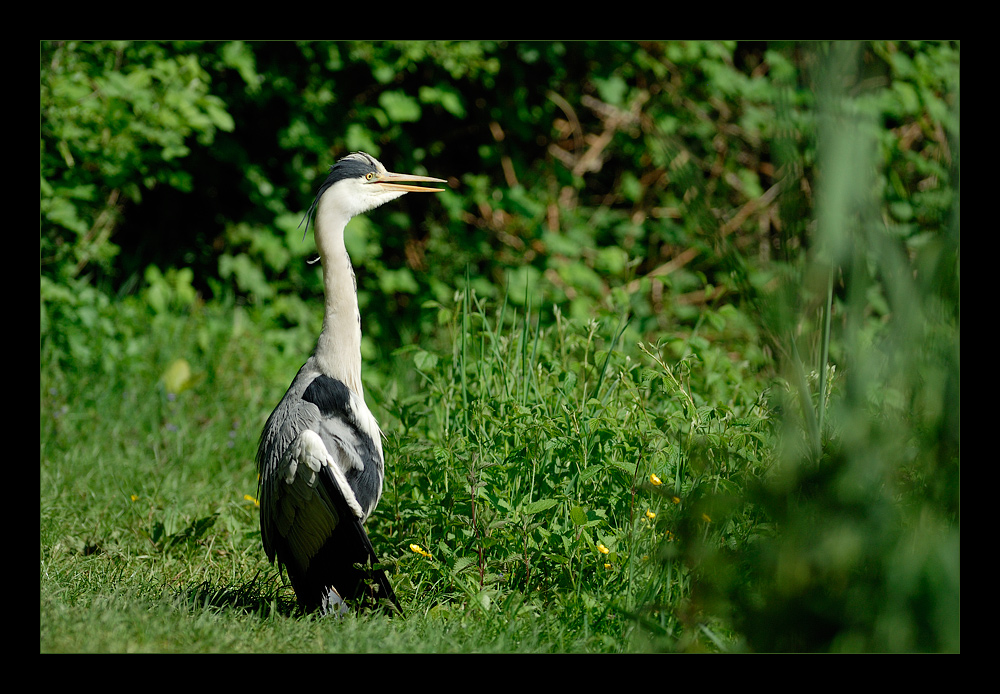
[{"x": 116, "y": 118}]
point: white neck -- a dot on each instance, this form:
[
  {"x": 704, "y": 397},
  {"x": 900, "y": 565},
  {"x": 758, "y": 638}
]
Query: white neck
[{"x": 338, "y": 350}]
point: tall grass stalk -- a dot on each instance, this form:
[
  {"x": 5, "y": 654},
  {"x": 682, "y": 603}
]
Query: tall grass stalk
[{"x": 865, "y": 493}]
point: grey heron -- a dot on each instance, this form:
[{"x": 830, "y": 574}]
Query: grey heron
[{"x": 320, "y": 460}]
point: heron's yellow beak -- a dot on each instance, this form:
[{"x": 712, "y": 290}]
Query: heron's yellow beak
[{"x": 396, "y": 181}]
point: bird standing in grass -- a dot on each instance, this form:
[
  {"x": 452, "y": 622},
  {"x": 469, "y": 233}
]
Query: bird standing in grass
[{"x": 320, "y": 460}]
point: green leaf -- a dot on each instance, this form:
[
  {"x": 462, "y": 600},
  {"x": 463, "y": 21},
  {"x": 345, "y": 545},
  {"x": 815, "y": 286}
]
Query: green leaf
[
  {"x": 539, "y": 506},
  {"x": 425, "y": 361},
  {"x": 449, "y": 99},
  {"x": 399, "y": 107}
]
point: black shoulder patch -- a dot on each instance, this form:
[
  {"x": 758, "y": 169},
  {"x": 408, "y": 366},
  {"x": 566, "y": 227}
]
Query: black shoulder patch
[{"x": 331, "y": 396}]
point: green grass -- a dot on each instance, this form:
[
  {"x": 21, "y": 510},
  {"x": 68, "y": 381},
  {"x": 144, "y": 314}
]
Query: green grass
[{"x": 516, "y": 459}]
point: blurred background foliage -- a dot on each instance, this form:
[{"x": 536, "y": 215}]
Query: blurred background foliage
[{"x": 744, "y": 202}]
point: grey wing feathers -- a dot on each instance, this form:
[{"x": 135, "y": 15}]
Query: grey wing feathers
[
  {"x": 320, "y": 477},
  {"x": 297, "y": 503}
]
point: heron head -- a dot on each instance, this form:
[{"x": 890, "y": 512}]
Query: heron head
[{"x": 359, "y": 182}]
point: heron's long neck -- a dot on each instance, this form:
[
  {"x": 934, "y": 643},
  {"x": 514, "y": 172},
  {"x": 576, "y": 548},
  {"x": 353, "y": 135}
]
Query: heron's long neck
[{"x": 338, "y": 349}]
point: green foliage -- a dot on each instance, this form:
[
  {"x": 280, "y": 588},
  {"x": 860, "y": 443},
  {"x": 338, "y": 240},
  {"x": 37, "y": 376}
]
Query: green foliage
[
  {"x": 673, "y": 364},
  {"x": 116, "y": 118},
  {"x": 628, "y": 172},
  {"x": 865, "y": 491},
  {"x": 522, "y": 466}
]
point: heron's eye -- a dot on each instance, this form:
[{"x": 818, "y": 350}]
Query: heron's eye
[{"x": 369, "y": 176}]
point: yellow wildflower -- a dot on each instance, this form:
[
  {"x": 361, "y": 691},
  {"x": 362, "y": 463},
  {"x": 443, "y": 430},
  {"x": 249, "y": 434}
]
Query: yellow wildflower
[
  {"x": 602, "y": 549},
  {"x": 419, "y": 550},
  {"x": 654, "y": 480},
  {"x": 607, "y": 566},
  {"x": 650, "y": 515},
  {"x": 675, "y": 499},
  {"x": 135, "y": 498}
]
